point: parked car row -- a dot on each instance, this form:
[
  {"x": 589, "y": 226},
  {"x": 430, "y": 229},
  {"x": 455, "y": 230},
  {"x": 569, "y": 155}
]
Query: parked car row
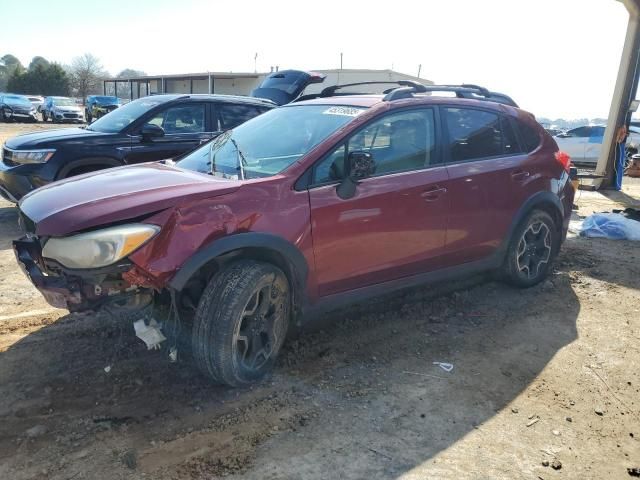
[
  {"x": 56, "y": 108},
  {"x": 267, "y": 216}
]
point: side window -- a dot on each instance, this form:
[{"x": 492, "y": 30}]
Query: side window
[
  {"x": 233, "y": 115},
  {"x": 473, "y": 134},
  {"x": 181, "y": 119},
  {"x": 397, "y": 142},
  {"x": 530, "y": 137}
]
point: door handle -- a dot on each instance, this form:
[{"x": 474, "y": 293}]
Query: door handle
[
  {"x": 433, "y": 193},
  {"x": 519, "y": 175}
]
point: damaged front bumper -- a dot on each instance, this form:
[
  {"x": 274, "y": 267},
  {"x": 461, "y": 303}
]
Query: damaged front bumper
[{"x": 80, "y": 290}]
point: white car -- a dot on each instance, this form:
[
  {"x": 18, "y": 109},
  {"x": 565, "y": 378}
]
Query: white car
[
  {"x": 36, "y": 101},
  {"x": 583, "y": 144}
]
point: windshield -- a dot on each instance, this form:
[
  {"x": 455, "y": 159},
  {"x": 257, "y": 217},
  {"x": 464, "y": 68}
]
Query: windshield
[
  {"x": 64, "y": 102},
  {"x": 269, "y": 143},
  {"x": 123, "y": 116},
  {"x": 107, "y": 100},
  {"x": 17, "y": 100}
]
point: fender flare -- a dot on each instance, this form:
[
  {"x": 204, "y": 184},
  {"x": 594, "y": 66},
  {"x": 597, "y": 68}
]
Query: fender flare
[
  {"x": 535, "y": 200},
  {"x": 108, "y": 162},
  {"x": 291, "y": 254}
]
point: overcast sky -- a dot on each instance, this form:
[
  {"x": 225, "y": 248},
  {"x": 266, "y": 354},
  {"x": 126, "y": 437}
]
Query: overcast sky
[{"x": 556, "y": 58}]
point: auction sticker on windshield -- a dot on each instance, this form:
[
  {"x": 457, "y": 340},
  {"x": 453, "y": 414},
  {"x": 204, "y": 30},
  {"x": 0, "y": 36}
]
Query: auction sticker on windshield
[{"x": 345, "y": 111}]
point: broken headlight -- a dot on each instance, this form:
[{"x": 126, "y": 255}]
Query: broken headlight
[{"x": 99, "y": 248}]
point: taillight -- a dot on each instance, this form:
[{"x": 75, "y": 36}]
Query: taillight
[{"x": 564, "y": 159}]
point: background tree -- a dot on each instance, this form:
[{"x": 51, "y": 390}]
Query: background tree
[
  {"x": 16, "y": 82},
  {"x": 38, "y": 60},
  {"x": 8, "y": 64},
  {"x": 86, "y": 72},
  {"x": 130, "y": 73},
  {"x": 42, "y": 78}
]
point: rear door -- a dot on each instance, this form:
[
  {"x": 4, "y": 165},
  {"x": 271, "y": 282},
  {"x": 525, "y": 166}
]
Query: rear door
[
  {"x": 186, "y": 126},
  {"x": 395, "y": 225},
  {"x": 484, "y": 163}
]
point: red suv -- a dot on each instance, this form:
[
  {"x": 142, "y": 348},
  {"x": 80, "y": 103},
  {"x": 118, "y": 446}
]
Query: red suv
[{"x": 311, "y": 205}]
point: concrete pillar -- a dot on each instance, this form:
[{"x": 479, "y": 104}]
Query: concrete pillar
[{"x": 624, "y": 92}]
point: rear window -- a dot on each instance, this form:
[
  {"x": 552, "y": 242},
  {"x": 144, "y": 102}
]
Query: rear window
[{"x": 530, "y": 137}]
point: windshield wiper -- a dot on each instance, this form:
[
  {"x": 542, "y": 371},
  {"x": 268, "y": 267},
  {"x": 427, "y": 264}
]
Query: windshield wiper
[{"x": 241, "y": 160}]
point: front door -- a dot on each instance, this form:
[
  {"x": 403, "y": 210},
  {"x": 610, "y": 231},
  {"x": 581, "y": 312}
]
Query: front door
[
  {"x": 395, "y": 224},
  {"x": 185, "y": 128}
]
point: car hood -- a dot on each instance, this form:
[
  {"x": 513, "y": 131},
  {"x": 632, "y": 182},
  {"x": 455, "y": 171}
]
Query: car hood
[
  {"x": 68, "y": 108},
  {"x": 47, "y": 137},
  {"x": 114, "y": 195}
]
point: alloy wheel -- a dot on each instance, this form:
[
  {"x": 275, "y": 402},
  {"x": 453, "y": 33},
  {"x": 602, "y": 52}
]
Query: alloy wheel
[
  {"x": 261, "y": 327},
  {"x": 534, "y": 249}
]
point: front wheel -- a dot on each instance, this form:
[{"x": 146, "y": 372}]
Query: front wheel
[
  {"x": 532, "y": 249},
  {"x": 241, "y": 322}
]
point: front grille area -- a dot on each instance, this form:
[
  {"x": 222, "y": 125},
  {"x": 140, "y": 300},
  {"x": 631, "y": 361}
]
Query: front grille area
[{"x": 71, "y": 115}]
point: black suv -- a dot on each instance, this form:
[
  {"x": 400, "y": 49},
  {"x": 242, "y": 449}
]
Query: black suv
[{"x": 151, "y": 128}]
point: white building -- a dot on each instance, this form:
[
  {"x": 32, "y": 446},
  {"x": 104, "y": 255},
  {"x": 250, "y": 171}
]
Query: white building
[{"x": 239, "y": 83}]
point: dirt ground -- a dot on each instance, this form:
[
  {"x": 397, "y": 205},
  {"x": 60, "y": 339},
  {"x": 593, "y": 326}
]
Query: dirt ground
[{"x": 544, "y": 375}]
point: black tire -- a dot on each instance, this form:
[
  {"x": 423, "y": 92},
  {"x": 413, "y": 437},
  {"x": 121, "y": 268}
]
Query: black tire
[
  {"x": 44, "y": 116},
  {"x": 532, "y": 250},
  {"x": 241, "y": 322},
  {"x": 88, "y": 116}
]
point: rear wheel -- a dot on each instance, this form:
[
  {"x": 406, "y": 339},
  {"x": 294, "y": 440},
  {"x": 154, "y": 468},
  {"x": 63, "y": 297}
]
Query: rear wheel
[
  {"x": 532, "y": 250},
  {"x": 241, "y": 322}
]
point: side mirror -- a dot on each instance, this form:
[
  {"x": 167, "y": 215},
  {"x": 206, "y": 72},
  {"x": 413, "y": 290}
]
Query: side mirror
[
  {"x": 150, "y": 131},
  {"x": 360, "y": 165}
]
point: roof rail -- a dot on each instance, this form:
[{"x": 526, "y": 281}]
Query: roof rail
[
  {"x": 333, "y": 89},
  {"x": 466, "y": 90}
]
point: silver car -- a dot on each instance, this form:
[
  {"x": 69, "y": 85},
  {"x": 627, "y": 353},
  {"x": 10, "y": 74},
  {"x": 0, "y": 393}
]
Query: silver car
[{"x": 62, "y": 109}]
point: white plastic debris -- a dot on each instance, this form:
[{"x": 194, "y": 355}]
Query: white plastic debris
[
  {"x": 610, "y": 225},
  {"x": 447, "y": 367},
  {"x": 173, "y": 354},
  {"x": 107, "y": 369},
  {"x": 149, "y": 334}
]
